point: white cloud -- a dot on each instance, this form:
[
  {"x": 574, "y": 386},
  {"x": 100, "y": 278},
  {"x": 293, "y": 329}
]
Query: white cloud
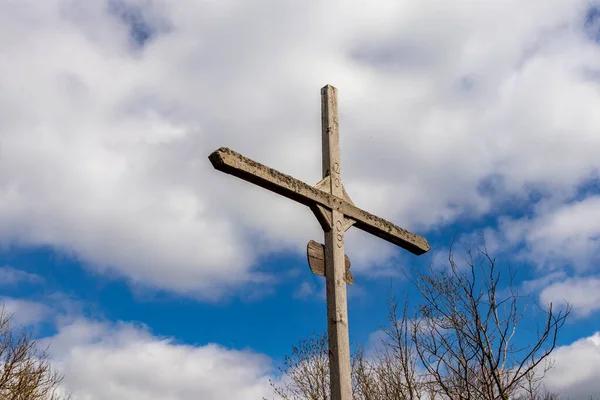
[
  {"x": 570, "y": 234},
  {"x": 24, "y": 312},
  {"x": 577, "y": 369},
  {"x": 103, "y": 360},
  {"x": 123, "y": 361},
  {"x": 557, "y": 235},
  {"x": 305, "y": 290},
  {"x": 560, "y": 238},
  {"x": 537, "y": 284},
  {"x": 583, "y": 293},
  {"x": 104, "y": 145},
  {"x": 12, "y": 276}
]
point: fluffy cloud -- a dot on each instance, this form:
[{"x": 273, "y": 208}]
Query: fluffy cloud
[
  {"x": 582, "y": 293},
  {"x": 563, "y": 234},
  {"x": 577, "y": 369},
  {"x": 104, "y": 140},
  {"x": 559, "y": 234},
  {"x": 561, "y": 239},
  {"x": 123, "y": 361},
  {"x": 108, "y": 360},
  {"x": 24, "y": 312}
]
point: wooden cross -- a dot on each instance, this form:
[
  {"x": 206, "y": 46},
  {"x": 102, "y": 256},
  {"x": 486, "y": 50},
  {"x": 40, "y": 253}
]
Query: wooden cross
[{"x": 336, "y": 213}]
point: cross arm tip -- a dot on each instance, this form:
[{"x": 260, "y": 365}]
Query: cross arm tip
[
  {"x": 216, "y": 157},
  {"x": 414, "y": 243},
  {"x": 423, "y": 248}
]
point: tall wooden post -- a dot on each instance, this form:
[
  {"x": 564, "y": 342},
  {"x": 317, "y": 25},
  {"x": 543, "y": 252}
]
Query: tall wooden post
[
  {"x": 335, "y": 270},
  {"x": 336, "y": 213}
]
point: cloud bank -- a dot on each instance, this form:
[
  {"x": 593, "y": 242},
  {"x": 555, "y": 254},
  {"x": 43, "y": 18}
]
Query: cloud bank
[
  {"x": 109, "y": 109},
  {"x": 124, "y": 361}
]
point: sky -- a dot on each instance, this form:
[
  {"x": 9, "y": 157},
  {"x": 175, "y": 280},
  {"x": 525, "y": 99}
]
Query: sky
[{"x": 153, "y": 276}]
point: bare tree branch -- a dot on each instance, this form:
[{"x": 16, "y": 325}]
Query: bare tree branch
[
  {"x": 459, "y": 344},
  {"x": 25, "y": 370},
  {"x": 466, "y": 327}
]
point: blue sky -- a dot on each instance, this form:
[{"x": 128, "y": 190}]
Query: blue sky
[{"x": 122, "y": 246}]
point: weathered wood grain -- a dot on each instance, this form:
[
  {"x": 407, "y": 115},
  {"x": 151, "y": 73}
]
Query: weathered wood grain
[
  {"x": 233, "y": 163},
  {"x": 315, "y": 253},
  {"x": 335, "y": 271},
  {"x": 336, "y": 213}
]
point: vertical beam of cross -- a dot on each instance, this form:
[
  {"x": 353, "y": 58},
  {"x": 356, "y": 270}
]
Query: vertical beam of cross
[
  {"x": 337, "y": 309},
  {"x": 336, "y": 213}
]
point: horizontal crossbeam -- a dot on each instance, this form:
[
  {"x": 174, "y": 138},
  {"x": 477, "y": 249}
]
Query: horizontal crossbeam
[{"x": 230, "y": 162}]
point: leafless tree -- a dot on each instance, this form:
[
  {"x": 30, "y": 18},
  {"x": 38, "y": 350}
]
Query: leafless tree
[
  {"x": 464, "y": 332},
  {"x": 533, "y": 389},
  {"x": 376, "y": 376},
  {"x": 390, "y": 372},
  {"x": 25, "y": 370},
  {"x": 383, "y": 373},
  {"x": 305, "y": 371},
  {"x": 459, "y": 344}
]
